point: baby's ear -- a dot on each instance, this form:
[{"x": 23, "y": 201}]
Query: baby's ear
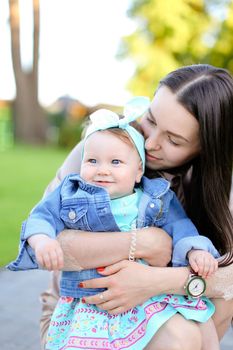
[{"x": 139, "y": 173}]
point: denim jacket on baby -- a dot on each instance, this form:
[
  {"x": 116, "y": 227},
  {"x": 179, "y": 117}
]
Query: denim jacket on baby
[{"x": 78, "y": 205}]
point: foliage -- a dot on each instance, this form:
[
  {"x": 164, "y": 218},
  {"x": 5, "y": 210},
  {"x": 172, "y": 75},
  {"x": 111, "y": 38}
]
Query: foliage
[
  {"x": 221, "y": 53},
  {"x": 26, "y": 173},
  {"x": 6, "y": 128},
  {"x": 172, "y": 33},
  {"x": 70, "y": 133}
]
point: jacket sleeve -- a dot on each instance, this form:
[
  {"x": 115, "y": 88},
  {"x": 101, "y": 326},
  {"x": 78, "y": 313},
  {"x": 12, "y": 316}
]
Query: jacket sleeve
[
  {"x": 184, "y": 234},
  {"x": 44, "y": 218}
]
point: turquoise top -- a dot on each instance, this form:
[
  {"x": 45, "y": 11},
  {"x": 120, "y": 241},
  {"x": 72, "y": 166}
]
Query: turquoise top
[{"x": 125, "y": 210}]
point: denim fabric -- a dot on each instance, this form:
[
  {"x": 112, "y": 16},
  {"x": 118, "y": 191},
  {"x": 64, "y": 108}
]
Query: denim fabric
[{"x": 79, "y": 205}]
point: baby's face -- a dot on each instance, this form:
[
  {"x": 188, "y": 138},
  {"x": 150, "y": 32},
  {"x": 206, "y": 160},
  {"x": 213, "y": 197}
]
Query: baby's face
[{"x": 111, "y": 163}]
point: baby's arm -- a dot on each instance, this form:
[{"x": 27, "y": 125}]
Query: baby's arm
[
  {"x": 202, "y": 262},
  {"x": 185, "y": 236},
  {"x": 38, "y": 244},
  {"x": 47, "y": 250}
]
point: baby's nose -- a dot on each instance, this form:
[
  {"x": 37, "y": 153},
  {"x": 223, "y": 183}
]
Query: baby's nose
[{"x": 103, "y": 170}]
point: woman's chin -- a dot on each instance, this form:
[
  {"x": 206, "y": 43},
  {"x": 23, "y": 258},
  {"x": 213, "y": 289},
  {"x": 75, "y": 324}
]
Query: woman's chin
[{"x": 155, "y": 165}]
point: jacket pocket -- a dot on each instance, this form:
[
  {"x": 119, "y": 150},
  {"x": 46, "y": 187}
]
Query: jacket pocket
[{"x": 75, "y": 217}]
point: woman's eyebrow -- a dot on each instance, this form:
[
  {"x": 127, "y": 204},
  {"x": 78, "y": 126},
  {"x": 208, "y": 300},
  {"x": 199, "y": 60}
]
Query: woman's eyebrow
[{"x": 169, "y": 132}]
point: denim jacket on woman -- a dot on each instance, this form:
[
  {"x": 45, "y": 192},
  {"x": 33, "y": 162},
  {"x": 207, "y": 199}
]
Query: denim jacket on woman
[{"x": 78, "y": 205}]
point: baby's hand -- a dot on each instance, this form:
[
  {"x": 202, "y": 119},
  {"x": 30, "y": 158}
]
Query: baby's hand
[
  {"x": 202, "y": 262},
  {"x": 49, "y": 253}
]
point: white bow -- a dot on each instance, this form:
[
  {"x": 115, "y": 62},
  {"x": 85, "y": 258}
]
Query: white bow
[{"x": 104, "y": 118}]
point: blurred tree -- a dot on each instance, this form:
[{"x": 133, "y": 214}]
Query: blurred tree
[
  {"x": 169, "y": 34},
  {"x": 221, "y": 50},
  {"x": 29, "y": 118}
]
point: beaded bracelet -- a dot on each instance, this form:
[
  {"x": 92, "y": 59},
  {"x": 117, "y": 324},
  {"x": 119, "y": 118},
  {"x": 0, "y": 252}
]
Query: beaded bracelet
[{"x": 132, "y": 248}]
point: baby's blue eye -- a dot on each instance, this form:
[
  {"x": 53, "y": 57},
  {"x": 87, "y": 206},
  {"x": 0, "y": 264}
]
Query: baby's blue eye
[
  {"x": 116, "y": 161},
  {"x": 92, "y": 161}
]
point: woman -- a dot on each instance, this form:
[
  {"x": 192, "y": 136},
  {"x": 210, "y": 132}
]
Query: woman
[{"x": 188, "y": 139}]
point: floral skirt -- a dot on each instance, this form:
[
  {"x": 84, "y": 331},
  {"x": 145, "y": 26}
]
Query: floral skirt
[{"x": 77, "y": 325}]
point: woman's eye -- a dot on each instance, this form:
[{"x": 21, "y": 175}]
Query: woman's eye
[
  {"x": 172, "y": 141},
  {"x": 116, "y": 161},
  {"x": 92, "y": 161},
  {"x": 151, "y": 120}
]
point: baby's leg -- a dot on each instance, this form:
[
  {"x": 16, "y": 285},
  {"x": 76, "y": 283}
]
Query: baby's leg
[
  {"x": 176, "y": 334},
  {"x": 209, "y": 336}
]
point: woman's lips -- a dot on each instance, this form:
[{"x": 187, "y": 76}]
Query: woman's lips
[{"x": 150, "y": 157}]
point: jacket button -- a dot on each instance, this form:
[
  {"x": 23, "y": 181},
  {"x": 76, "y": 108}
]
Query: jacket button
[
  {"x": 72, "y": 215},
  {"x": 152, "y": 205}
]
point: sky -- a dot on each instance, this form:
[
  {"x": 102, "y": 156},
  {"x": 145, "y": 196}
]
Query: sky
[{"x": 79, "y": 40}]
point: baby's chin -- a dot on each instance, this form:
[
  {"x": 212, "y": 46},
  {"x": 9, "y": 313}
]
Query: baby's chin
[{"x": 120, "y": 195}]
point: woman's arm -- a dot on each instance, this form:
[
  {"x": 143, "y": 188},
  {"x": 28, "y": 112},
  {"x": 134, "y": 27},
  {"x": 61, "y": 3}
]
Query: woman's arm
[
  {"x": 129, "y": 284},
  {"x": 106, "y": 248},
  {"x": 220, "y": 285}
]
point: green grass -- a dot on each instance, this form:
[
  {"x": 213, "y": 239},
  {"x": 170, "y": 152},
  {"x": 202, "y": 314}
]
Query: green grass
[{"x": 25, "y": 172}]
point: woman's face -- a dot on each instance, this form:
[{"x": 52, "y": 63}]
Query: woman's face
[{"x": 171, "y": 132}]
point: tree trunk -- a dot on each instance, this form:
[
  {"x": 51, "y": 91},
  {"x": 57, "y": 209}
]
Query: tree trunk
[{"x": 29, "y": 118}]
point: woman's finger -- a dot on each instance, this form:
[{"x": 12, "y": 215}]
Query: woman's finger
[
  {"x": 102, "y": 282},
  {"x": 117, "y": 310},
  {"x": 109, "y": 305},
  {"x": 114, "y": 268},
  {"x": 97, "y": 299}
]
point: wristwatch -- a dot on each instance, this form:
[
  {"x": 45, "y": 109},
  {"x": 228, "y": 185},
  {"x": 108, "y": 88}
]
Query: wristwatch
[{"x": 195, "y": 286}]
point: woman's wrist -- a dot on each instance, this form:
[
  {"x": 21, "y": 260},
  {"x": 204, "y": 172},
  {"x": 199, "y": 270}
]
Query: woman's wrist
[
  {"x": 220, "y": 285},
  {"x": 168, "y": 280},
  {"x": 171, "y": 280}
]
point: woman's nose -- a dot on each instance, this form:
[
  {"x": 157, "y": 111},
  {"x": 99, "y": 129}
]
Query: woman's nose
[{"x": 153, "y": 142}]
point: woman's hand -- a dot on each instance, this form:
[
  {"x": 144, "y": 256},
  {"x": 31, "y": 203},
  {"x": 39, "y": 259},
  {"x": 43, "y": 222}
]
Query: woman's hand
[
  {"x": 154, "y": 246},
  {"x": 128, "y": 284}
]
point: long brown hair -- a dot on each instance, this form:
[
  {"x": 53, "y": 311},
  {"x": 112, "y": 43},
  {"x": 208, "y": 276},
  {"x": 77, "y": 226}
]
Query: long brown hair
[{"x": 207, "y": 93}]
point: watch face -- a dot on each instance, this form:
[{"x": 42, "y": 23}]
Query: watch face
[{"x": 196, "y": 286}]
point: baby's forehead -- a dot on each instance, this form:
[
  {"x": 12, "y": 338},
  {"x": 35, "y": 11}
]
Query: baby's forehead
[
  {"x": 112, "y": 133},
  {"x": 109, "y": 141}
]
